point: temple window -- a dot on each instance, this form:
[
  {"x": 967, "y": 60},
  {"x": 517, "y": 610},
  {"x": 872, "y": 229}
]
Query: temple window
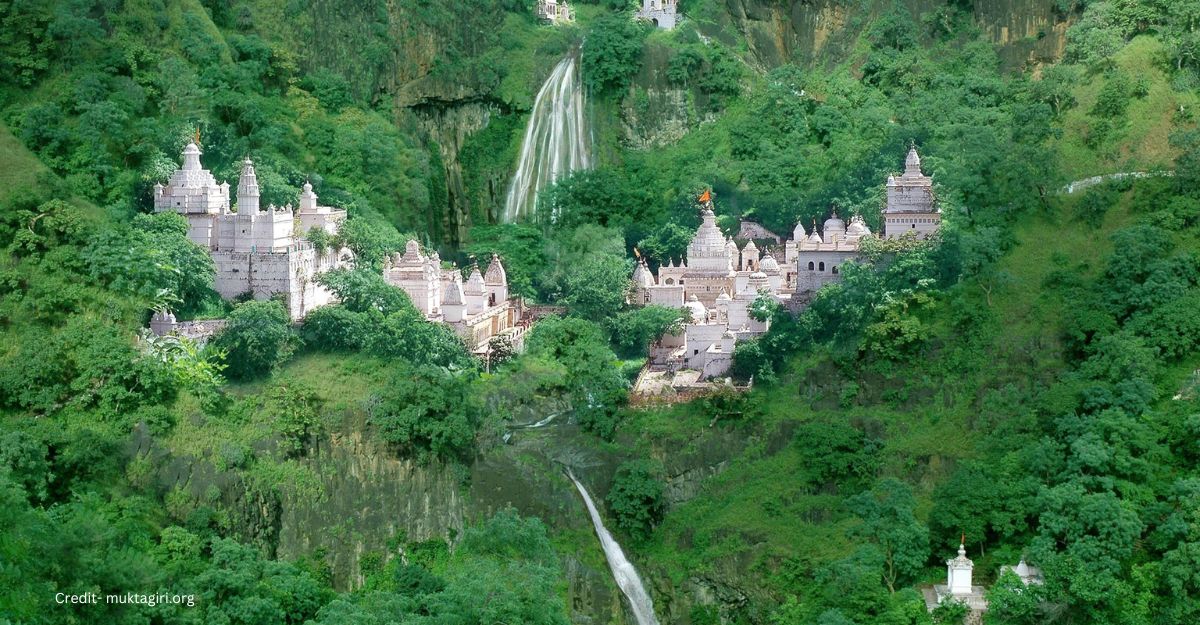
[
  {"x": 811, "y": 266},
  {"x": 821, "y": 266}
]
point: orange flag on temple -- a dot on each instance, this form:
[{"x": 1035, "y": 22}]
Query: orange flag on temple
[{"x": 705, "y": 197}]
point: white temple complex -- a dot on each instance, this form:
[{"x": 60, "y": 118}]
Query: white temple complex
[
  {"x": 661, "y": 13},
  {"x": 256, "y": 250},
  {"x": 718, "y": 282},
  {"x": 554, "y": 11},
  {"x": 815, "y": 257},
  {"x": 478, "y": 310}
]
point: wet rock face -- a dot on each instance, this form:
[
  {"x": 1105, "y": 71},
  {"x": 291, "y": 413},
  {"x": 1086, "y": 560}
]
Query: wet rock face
[
  {"x": 369, "y": 497},
  {"x": 656, "y": 117},
  {"x": 594, "y": 598},
  {"x": 447, "y": 126},
  {"x": 800, "y": 31}
]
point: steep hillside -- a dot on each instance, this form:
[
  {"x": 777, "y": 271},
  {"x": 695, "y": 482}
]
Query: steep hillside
[{"x": 1024, "y": 383}]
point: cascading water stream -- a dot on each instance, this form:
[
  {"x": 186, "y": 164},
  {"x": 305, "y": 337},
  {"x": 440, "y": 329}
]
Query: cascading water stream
[
  {"x": 623, "y": 572},
  {"x": 557, "y": 141}
]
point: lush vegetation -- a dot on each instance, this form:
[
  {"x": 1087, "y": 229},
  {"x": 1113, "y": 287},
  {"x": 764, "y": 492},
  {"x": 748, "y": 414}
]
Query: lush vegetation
[{"x": 1025, "y": 380}]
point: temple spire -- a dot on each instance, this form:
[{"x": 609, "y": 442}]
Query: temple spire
[
  {"x": 912, "y": 163},
  {"x": 247, "y": 192}
]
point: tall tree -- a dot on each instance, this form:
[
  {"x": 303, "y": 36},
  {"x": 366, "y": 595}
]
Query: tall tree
[{"x": 887, "y": 520}]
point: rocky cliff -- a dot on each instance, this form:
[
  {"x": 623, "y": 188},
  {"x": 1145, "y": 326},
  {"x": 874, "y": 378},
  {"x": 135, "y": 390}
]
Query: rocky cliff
[
  {"x": 805, "y": 31},
  {"x": 369, "y": 498}
]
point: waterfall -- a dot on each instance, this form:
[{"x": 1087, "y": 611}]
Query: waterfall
[
  {"x": 622, "y": 569},
  {"x": 556, "y": 141}
]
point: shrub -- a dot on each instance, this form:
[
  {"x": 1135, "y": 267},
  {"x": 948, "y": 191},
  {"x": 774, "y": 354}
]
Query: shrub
[
  {"x": 427, "y": 413},
  {"x": 257, "y": 339},
  {"x": 636, "y": 498},
  {"x": 613, "y": 53}
]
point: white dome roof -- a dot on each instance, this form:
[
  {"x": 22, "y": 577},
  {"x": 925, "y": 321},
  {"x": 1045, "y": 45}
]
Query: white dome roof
[
  {"x": 858, "y": 226},
  {"x": 475, "y": 285},
  {"x": 834, "y": 223},
  {"x": 452, "y": 295},
  {"x": 697, "y": 309},
  {"x": 642, "y": 275},
  {"x": 769, "y": 264},
  {"x": 912, "y": 162},
  {"x": 708, "y": 237},
  {"x": 757, "y": 282},
  {"x": 496, "y": 275}
]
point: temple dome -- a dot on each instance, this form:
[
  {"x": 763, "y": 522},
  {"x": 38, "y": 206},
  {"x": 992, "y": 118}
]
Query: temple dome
[
  {"x": 834, "y": 225},
  {"x": 769, "y": 265},
  {"x": 858, "y": 227},
  {"x": 707, "y": 251},
  {"x": 642, "y": 275},
  {"x": 757, "y": 282},
  {"x": 475, "y": 285},
  {"x": 452, "y": 295},
  {"x": 912, "y": 162},
  {"x": 495, "y": 276},
  {"x": 698, "y": 311}
]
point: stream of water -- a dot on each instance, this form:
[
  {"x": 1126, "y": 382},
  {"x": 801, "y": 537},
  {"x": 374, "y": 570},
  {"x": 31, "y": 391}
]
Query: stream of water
[
  {"x": 557, "y": 141},
  {"x": 626, "y": 576}
]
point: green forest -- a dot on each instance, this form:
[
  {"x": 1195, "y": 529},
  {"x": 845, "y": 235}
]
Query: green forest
[{"x": 1027, "y": 382}]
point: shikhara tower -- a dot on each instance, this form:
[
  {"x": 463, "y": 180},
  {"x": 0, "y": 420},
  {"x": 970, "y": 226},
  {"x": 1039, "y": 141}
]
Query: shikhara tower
[{"x": 911, "y": 204}]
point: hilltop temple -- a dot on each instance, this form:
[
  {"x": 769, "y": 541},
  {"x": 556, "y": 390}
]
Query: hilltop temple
[
  {"x": 911, "y": 204},
  {"x": 554, "y": 11},
  {"x": 478, "y": 310},
  {"x": 661, "y": 13},
  {"x": 718, "y": 282},
  {"x": 256, "y": 250}
]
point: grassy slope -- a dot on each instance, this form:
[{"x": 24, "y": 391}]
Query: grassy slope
[
  {"x": 21, "y": 170},
  {"x": 18, "y": 166},
  {"x": 1142, "y": 142}
]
